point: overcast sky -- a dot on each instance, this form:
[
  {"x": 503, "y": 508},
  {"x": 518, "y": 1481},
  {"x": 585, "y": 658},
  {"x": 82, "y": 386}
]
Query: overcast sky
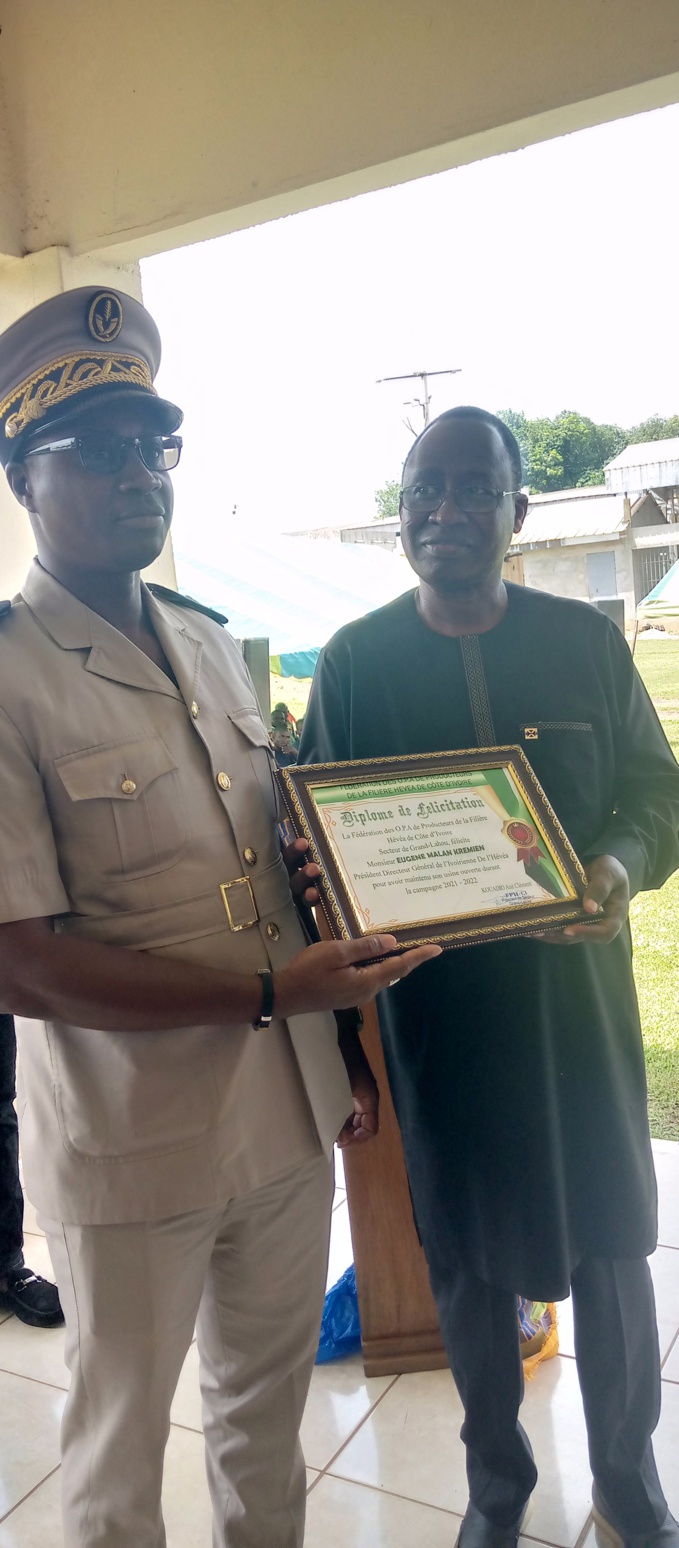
[{"x": 548, "y": 276}]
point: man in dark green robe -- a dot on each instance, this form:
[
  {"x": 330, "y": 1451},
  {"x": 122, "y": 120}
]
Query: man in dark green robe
[{"x": 517, "y": 1068}]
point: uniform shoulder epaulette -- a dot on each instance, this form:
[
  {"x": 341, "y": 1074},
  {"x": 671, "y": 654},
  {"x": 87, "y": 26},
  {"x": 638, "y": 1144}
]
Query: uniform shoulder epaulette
[
  {"x": 5, "y": 609},
  {"x": 165, "y": 594}
]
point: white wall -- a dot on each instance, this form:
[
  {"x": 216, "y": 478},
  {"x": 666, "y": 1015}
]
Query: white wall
[{"x": 563, "y": 570}]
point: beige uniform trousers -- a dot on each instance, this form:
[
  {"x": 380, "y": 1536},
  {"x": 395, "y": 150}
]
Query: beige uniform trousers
[{"x": 252, "y": 1276}]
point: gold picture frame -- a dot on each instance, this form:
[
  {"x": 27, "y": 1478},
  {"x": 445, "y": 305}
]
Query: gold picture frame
[{"x": 403, "y": 847}]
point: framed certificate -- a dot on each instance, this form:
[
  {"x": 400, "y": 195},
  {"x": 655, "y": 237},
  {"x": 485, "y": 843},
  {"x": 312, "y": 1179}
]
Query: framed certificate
[{"x": 454, "y": 847}]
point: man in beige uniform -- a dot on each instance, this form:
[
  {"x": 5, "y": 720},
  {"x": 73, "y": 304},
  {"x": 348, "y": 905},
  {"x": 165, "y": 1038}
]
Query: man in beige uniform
[{"x": 181, "y": 1086}]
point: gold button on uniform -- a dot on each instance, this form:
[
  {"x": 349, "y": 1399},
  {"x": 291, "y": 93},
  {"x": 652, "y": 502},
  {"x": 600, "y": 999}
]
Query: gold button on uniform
[
  {"x": 128, "y": 787},
  {"x": 223, "y": 781},
  {"x": 194, "y": 710},
  {"x": 249, "y": 857},
  {"x": 273, "y": 932}
]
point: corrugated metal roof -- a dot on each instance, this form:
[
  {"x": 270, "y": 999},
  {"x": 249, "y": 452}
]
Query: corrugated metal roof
[
  {"x": 572, "y": 514},
  {"x": 643, "y": 452},
  {"x": 592, "y": 512},
  {"x": 648, "y": 465},
  {"x": 588, "y": 492},
  {"x": 666, "y": 536},
  {"x": 345, "y": 526}
]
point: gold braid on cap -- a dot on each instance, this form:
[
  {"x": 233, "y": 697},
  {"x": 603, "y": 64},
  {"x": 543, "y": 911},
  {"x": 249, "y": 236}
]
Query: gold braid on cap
[{"x": 62, "y": 379}]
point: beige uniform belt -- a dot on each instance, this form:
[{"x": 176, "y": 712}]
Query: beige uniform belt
[{"x": 250, "y": 900}]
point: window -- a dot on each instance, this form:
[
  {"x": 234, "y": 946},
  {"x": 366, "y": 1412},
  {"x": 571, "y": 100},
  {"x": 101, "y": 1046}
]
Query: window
[{"x": 650, "y": 564}]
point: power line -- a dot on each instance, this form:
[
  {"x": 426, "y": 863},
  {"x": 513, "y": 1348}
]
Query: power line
[{"x": 420, "y": 376}]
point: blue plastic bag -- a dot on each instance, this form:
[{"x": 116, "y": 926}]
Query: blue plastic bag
[{"x": 341, "y": 1325}]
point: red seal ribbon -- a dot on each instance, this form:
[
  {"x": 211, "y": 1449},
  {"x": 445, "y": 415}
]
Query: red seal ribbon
[{"x": 525, "y": 838}]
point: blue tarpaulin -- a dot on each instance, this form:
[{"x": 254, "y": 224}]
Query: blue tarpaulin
[
  {"x": 294, "y": 591},
  {"x": 295, "y": 663}
]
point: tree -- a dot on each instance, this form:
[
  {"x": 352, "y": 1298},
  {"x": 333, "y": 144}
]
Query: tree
[
  {"x": 566, "y": 452},
  {"x": 386, "y": 500},
  {"x": 653, "y": 429},
  {"x": 546, "y": 469},
  {"x": 569, "y": 451},
  {"x": 518, "y": 424},
  {"x": 596, "y": 477}
]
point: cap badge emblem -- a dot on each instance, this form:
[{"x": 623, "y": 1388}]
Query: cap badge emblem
[{"x": 105, "y": 316}]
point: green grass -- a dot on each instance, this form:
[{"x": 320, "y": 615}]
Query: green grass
[{"x": 655, "y": 922}]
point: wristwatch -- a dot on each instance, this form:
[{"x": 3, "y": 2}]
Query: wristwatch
[{"x": 265, "y": 1017}]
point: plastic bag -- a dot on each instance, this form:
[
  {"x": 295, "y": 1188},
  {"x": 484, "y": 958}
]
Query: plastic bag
[
  {"x": 341, "y": 1325},
  {"x": 538, "y": 1334}
]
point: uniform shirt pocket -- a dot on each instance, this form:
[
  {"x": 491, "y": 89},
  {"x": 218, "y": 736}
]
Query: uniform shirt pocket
[
  {"x": 248, "y": 722},
  {"x": 137, "y": 784},
  {"x": 131, "y": 1094}
]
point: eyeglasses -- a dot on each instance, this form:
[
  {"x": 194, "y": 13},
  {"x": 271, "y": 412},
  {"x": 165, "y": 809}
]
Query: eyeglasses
[
  {"x": 473, "y": 499},
  {"x": 101, "y": 453}
]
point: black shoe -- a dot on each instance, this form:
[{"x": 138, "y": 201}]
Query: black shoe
[
  {"x": 478, "y": 1532},
  {"x": 665, "y": 1536},
  {"x": 32, "y": 1299}
]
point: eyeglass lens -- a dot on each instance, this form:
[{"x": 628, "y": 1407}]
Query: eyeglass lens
[
  {"x": 107, "y": 453},
  {"x": 473, "y": 499}
]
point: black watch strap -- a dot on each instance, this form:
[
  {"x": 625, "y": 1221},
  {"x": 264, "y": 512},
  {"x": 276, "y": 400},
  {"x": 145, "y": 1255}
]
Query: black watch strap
[{"x": 265, "y": 1017}]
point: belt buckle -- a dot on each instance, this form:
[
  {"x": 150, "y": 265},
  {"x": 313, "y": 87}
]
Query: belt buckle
[{"x": 240, "y": 904}]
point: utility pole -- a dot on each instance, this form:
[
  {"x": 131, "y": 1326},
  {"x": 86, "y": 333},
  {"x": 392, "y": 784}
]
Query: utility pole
[{"x": 423, "y": 377}]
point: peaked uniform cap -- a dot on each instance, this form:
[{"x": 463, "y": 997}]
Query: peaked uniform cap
[{"x": 77, "y": 348}]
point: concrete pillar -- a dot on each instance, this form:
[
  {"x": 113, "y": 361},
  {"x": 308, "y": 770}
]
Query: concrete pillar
[{"x": 25, "y": 282}]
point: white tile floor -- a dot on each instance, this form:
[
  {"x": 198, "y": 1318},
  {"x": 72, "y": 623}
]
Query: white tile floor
[{"x": 385, "y": 1465}]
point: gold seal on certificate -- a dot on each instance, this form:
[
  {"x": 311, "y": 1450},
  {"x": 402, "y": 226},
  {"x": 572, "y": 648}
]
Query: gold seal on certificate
[{"x": 456, "y": 847}]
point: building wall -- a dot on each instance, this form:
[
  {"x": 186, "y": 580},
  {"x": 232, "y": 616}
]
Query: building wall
[
  {"x": 647, "y": 512},
  {"x": 128, "y": 127},
  {"x": 563, "y": 570}
]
